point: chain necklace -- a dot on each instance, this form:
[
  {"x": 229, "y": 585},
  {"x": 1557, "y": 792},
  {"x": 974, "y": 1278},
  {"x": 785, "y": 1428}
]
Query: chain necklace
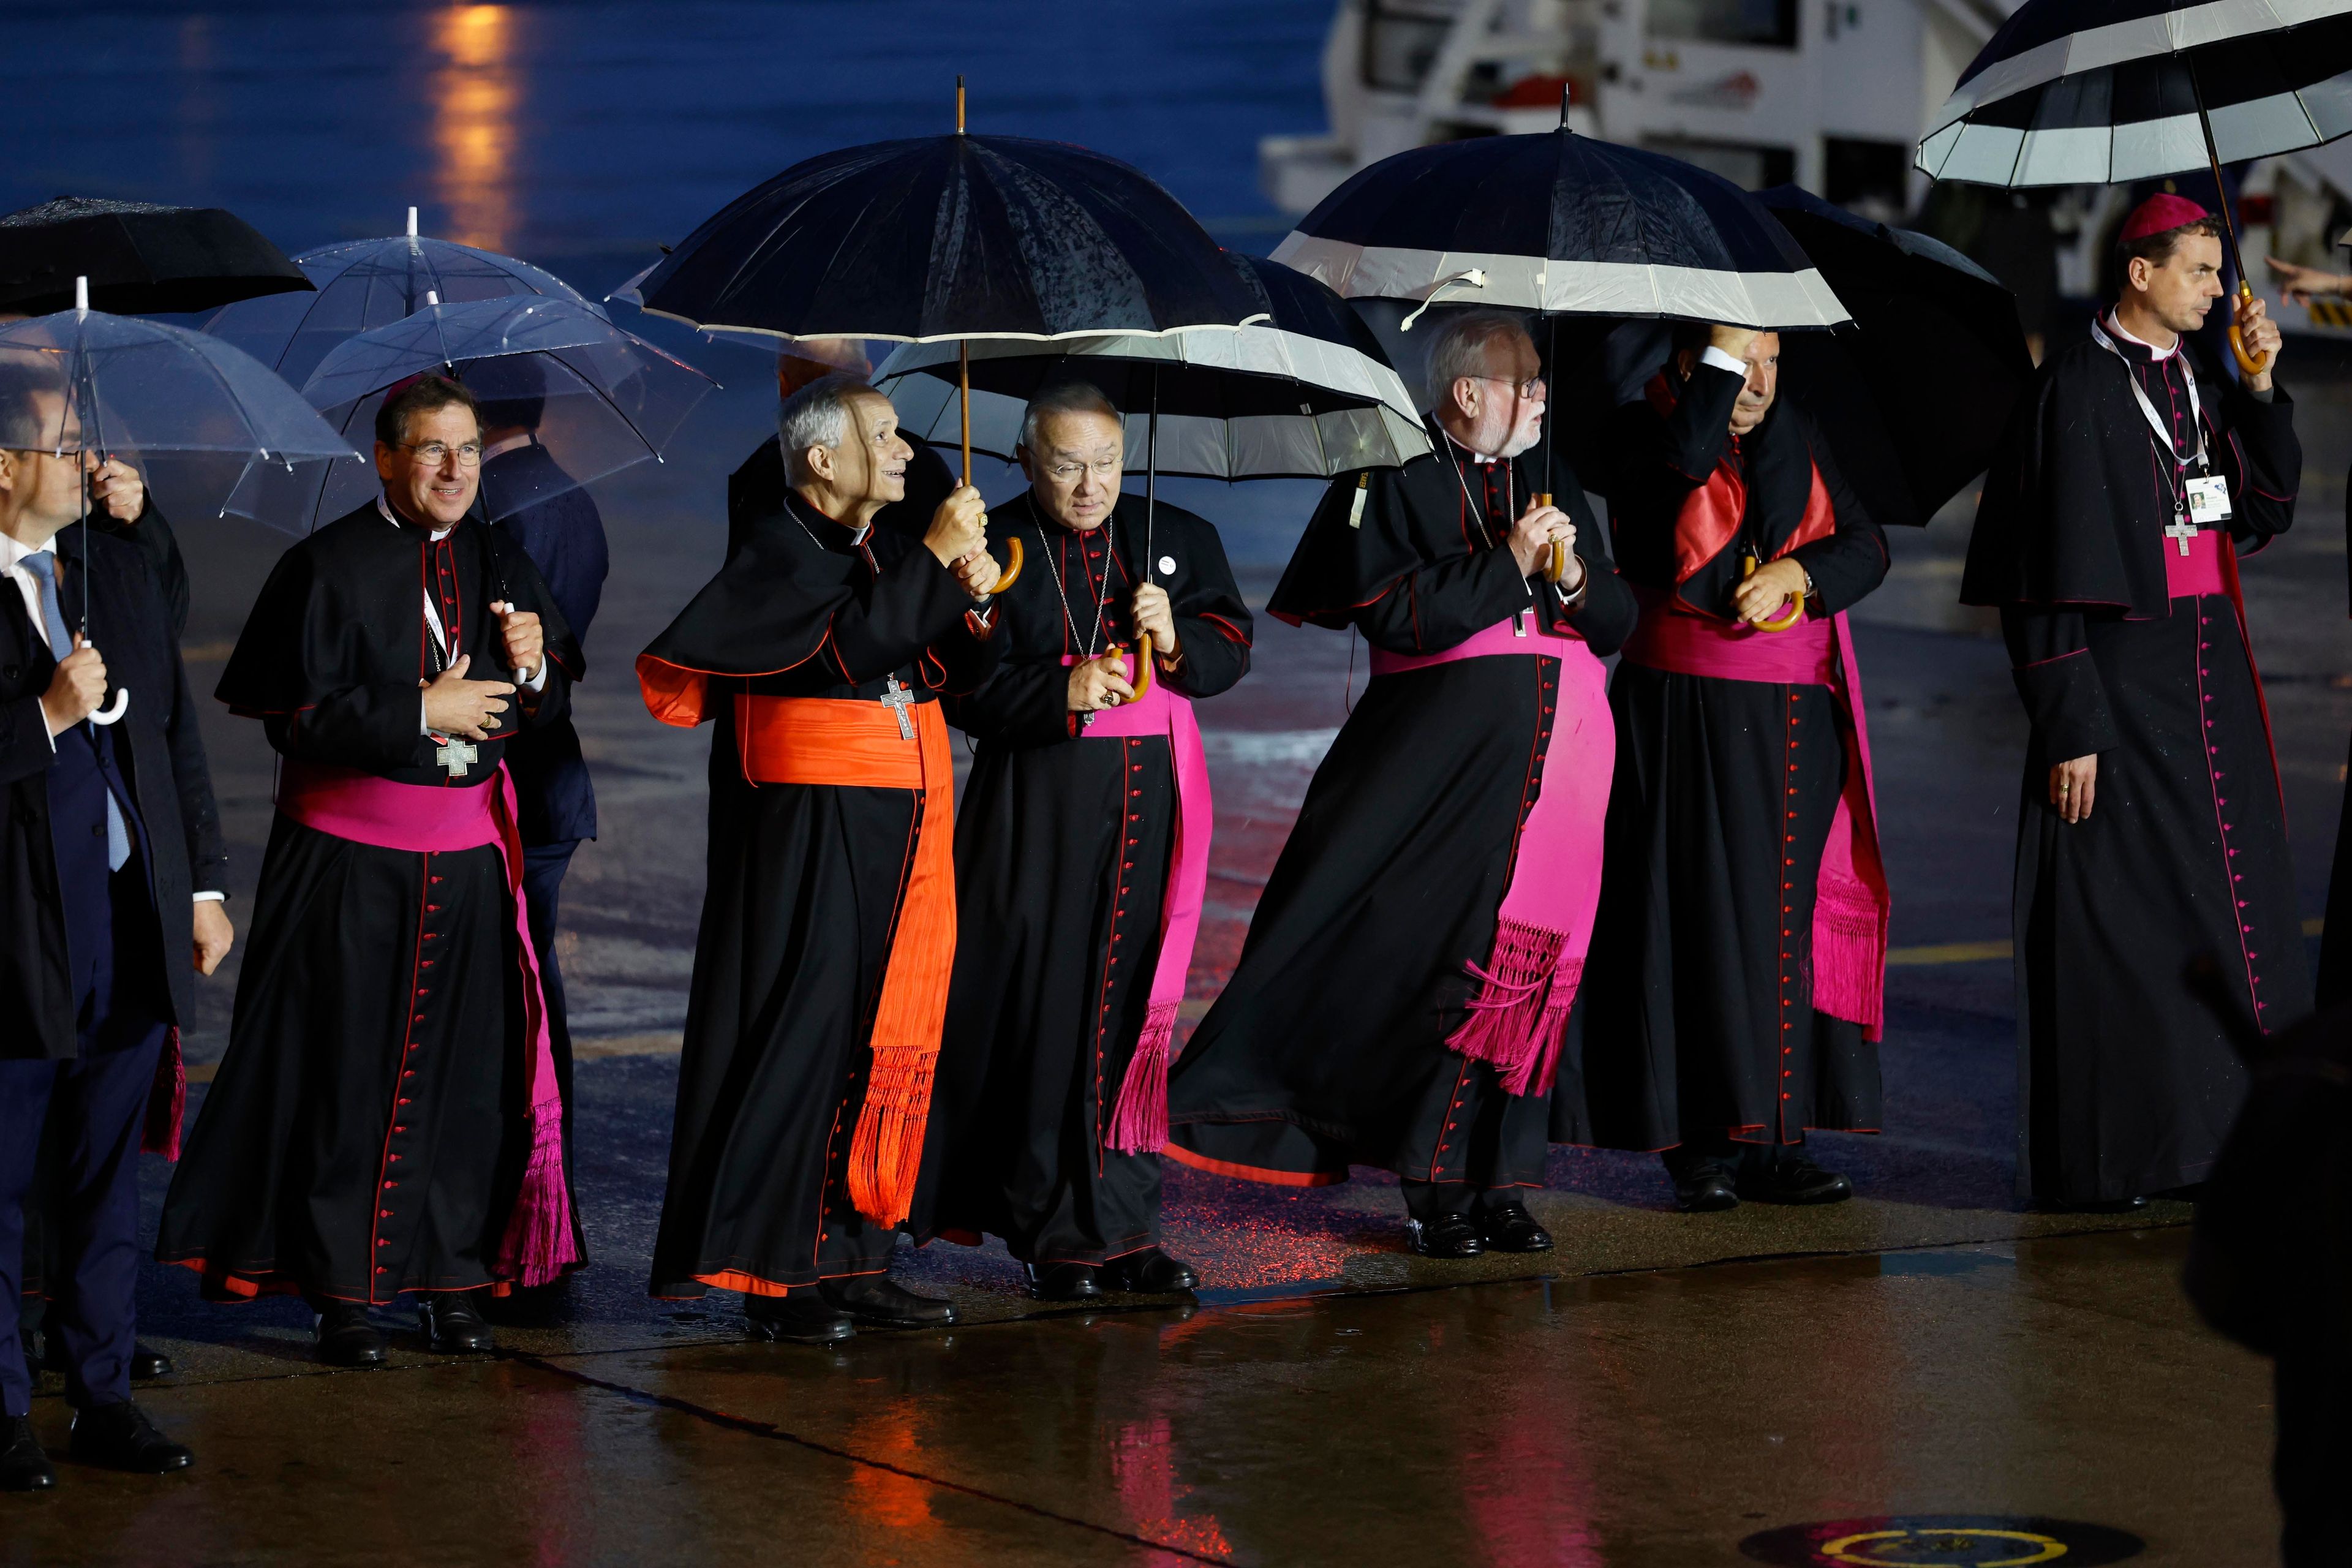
[
  {"x": 1486, "y": 529},
  {"x": 1046, "y": 548}
]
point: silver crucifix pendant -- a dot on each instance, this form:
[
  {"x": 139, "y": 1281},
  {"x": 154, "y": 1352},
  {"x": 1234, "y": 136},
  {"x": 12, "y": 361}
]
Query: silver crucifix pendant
[
  {"x": 898, "y": 698},
  {"x": 2182, "y": 529},
  {"x": 456, "y": 755}
]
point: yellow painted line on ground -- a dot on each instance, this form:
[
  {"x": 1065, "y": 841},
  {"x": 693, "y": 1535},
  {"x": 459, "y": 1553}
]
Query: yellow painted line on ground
[{"x": 1986, "y": 951}]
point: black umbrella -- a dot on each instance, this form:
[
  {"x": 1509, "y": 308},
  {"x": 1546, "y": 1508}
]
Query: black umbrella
[
  {"x": 2108, "y": 92},
  {"x": 1562, "y": 223},
  {"x": 140, "y": 258},
  {"x": 1915, "y": 395}
]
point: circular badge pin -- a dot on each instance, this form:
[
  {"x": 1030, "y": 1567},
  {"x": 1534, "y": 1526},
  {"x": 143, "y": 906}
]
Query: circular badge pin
[{"x": 1168, "y": 564}]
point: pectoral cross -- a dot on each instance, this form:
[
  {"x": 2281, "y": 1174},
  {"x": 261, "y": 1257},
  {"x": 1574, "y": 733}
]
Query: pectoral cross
[
  {"x": 456, "y": 755},
  {"x": 2182, "y": 529},
  {"x": 898, "y": 698}
]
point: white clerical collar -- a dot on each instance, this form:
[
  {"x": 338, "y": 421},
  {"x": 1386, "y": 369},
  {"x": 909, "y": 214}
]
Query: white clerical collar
[
  {"x": 505, "y": 444},
  {"x": 392, "y": 517},
  {"x": 2116, "y": 329}
]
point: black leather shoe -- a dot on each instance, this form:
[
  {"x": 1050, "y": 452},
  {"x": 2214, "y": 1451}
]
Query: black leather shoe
[
  {"x": 1705, "y": 1188},
  {"x": 1792, "y": 1179},
  {"x": 1447, "y": 1235},
  {"x": 1062, "y": 1281},
  {"x": 878, "y": 1299},
  {"x": 121, "y": 1438},
  {"x": 346, "y": 1337},
  {"x": 1150, "y": 1272},
  {"x": 453, "y": 1324},
  {"x": 804, "y": 1320},
  {"x": 23, "y": 1467},
  {"x": 1509, "y": 1228}
]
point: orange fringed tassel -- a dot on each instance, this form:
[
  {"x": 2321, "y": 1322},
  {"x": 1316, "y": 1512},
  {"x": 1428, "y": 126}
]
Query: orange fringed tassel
[{"x": 887, "y": 1152}]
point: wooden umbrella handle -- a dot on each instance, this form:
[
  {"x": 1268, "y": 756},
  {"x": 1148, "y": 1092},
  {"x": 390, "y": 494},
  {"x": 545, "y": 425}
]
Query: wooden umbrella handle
[
  {"x": 1748, "y": 569},
  {"x": 2253, "y": 364},
  {"x": 1012, "y": 572},
  {"x": 1556, "y": 568},
  {"x": 1140, "y": 663}
]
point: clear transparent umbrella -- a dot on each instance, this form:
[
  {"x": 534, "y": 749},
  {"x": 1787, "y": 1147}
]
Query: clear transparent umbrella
[
  {"x": 599, "y": 399},
  {"x": 367, "y": 283},
  {"x": 84, "y": 381}
]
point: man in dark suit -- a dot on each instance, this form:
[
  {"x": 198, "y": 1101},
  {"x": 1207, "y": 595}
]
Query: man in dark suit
[
  {"x": 109, "y": 839},
  {"x": 533, "y": 502},
  {"x": 757, "y": 489}
]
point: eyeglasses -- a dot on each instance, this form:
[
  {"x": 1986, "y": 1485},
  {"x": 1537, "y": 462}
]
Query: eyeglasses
[
  {"x": 1531, "y": 387},
  {"x": 1062, "y": 473},
  {"x": 435, "y": 453}
]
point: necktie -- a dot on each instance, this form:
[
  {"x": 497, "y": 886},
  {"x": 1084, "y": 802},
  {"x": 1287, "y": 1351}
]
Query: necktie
[{"x": 43, "y": 565}]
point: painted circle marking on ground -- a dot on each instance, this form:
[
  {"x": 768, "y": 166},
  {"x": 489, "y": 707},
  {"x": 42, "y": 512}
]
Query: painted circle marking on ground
[{"x": 1941, "y": 1541}]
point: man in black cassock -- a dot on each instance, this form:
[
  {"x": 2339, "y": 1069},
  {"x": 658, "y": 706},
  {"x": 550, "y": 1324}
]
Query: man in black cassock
[
  {"x": 2152, "y": 830},
  {"x": 1356, "y": 1028},
  {"x": 1067, "y": 855},
  {"x": 1733, "y": 997},
  {"x": 819, "y": 653},
  {"x": 385, "y": 1119},
  {"x": 552, "y": 517},
  {"x": 757, "y": 489}
]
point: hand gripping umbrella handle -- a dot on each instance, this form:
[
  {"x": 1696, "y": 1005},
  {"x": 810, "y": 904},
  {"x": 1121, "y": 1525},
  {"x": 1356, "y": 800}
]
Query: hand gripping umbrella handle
[
  {"x": 1557, "y": 566},
  {"x": 2253, "y": 364},
  {"x": 114, "y": 711},
  {"x": 1748, "y": 569},
  {"x": 1141, "y": 663},
  {"x": 1012, "y": 572}
]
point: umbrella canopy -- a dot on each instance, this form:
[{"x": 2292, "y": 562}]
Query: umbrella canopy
[
  {"x": 1560, "y": 223},
  {"x": 2107, "y": 91},
  {"x": 1906, "y": 442},
  {"x": 1306, "y": 393},
  {"x": 366, "y": 283},
  {"x": 951, "y": 236},
  {"x": 599, "y": 399},
  {"x": 140, "y": 258}
]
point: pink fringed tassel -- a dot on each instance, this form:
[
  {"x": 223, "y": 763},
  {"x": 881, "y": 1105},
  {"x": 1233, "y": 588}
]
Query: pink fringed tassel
[
  {"x": 1850, "y": 953},
  {"x": 1517, "y": 1018},
  {"x": 1139, "y": 1124},
  {"x": 167, "y": 1103},
  {"x": 538, "y": 1245}
]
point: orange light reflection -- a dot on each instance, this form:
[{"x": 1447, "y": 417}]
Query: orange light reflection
[{"x": 475, "y": 93}]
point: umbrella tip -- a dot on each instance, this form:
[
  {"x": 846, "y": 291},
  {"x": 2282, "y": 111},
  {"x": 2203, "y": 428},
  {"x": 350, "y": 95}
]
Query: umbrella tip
[
  {"x": 1567, "y": 96},
  {"x": 81, "y": 295},
  {"x": 412, "y": 223},
  {"x": 433, "y": 296}
]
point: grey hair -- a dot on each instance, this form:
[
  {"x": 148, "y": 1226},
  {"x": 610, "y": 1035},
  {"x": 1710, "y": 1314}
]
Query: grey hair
[
  {"x": 1459, "y": 348},
  {"x": 817, "y": 416},
  {"x": 1066, "y": 397}
]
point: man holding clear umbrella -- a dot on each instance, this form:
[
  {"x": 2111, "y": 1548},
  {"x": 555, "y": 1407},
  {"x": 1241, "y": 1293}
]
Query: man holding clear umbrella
[{"x": 111, "y": 827}]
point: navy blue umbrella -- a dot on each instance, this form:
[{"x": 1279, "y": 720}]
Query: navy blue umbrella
[{"x": 1562, "y": 223}]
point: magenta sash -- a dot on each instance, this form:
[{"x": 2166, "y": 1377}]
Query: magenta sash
[
  {"x": 344, "y": 803},
  {"x": 1851, "y": 901},
  {"x": 2200, "y": 571},
  {"x": 1519, "y": 1012},
  {"x": 1139, "y": 1123}
]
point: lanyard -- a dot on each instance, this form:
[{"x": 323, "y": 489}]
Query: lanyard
[{"x": 2155, "y": 421}]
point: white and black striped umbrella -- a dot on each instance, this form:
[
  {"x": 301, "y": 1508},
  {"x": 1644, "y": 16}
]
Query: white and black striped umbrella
[
  {"x": 2108, "y": 92},
  {"x": 1562, "y": 223}
]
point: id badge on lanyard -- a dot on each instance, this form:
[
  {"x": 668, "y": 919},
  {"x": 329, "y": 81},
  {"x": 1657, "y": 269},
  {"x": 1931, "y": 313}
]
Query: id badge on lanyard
[{"x": 2206, "y": 499}]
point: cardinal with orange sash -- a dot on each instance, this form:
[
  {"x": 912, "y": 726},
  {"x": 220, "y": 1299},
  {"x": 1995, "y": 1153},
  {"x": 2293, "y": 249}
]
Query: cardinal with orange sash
[
  {"x": 1736, "y": 989},
  {"x": 818, "y": 655}
]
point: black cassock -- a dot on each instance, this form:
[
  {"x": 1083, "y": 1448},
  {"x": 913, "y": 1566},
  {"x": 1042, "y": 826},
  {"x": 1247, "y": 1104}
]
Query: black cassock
[
  {"x": 1698, "y": 1019},
  {"x": 804, "y": 885},
  {"x": 2334, "y": 982},
  {"x": 1328, "y": 1046},
  {"x": 2126, "y": 1084},
  {"x": 1063, "y": 847},
  {"x": 369, "y": 1126}
]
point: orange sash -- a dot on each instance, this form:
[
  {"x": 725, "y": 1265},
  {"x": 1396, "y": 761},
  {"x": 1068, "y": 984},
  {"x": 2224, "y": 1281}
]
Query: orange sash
[{"x": 825, "y": 740}]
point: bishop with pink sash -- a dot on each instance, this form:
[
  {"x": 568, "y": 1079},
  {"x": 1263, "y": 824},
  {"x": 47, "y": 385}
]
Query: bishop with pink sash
[
  {"x": 1736, "y": 991},
  {"x": 386, "y": 1120},
  {"x": 1401, "y": 1000},
  {"x": 1082, "y": 858}
]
